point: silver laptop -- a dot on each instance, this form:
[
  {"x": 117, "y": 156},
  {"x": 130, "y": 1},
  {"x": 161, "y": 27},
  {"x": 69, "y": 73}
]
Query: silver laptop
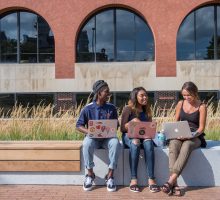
[
  {"x": 178, "y": 129},
  {"x": 106, "y": 128}
]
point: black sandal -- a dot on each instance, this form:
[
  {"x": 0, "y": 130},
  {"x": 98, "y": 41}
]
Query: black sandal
[
  {"x": 134, "y": 188},
  {"x": 177, "y": 191},
  {"x": 167, "y": 188},
  {"x": 154, "y": 188}
]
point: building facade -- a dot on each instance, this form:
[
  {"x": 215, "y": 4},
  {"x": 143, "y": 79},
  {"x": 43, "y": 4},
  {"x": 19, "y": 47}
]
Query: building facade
[{"x": 55, "y": 50}]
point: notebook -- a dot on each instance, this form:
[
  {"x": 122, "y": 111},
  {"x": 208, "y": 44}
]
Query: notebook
[
  {"x": 174, "y": 130},
  {"x": 141, "y": 130},
  {"x": 102, "y": 128}
]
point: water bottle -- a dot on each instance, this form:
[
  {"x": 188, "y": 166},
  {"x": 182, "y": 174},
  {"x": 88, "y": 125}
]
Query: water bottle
[{"x": 161, "y": 139}]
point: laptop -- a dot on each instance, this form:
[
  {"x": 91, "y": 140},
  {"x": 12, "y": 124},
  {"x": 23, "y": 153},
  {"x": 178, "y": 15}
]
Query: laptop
[
  {"x": 141, "y": 130},
  {"x": 106, "y": 128},
  {"x": 174, "y": 130}
]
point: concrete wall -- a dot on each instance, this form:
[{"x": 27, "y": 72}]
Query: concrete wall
[
  {"x": 121, "y": 76},
  {"x": 66, "y": 18}
]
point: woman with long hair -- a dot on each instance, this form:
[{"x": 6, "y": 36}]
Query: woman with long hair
[
  {"x": 189, "y": 109},
  {"x": 137, "y": 110}
]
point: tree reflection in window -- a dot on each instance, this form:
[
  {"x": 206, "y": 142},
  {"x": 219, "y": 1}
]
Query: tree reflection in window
[
  {"x": 115, "y": 35},
  {"x": 25, "y": 38},
  {"x": 199, "y": 35}
]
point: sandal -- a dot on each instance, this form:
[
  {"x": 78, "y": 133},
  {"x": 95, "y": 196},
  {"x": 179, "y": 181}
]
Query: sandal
[
  {"x": 167, "y": 188},
  {"x": 134, "y": 188},
  {"x": 177, "y": 191},
  {"x": 154, "y": 188}
]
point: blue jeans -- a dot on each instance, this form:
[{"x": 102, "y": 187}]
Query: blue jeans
[
  {"x": 135, "y": 153},
  {"x": 90, "y": 144}
]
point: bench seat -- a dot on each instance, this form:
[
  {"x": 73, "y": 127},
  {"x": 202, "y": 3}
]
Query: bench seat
[{"x": 202, "y": 169}]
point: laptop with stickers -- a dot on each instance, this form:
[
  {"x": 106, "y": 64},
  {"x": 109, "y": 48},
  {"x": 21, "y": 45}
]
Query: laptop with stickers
[
  {"x": 142, "y": 130},
  {"x": 106, "y": 128}
]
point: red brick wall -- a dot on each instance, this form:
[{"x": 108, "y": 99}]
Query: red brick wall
[{"x": 66, "y": 18}]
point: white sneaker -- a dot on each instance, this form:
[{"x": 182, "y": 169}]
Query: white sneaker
[
  {"x": 110, "y": 183},
  {"x": 87, "y": 185}
]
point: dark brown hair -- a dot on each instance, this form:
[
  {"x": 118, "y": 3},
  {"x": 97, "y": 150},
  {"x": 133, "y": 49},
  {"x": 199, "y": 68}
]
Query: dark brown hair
[
  {"x": 191, "y": 88},
  {"x": 133, "y": 102}
]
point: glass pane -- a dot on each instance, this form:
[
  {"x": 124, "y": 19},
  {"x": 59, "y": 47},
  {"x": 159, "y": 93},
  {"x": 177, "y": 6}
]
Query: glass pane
[
  {"x": 125, "y": 35},
  {"x": 122, "y": 99},
  {"x": 151, "y": 98},
  {"x": 205, "y": 33},
  {"x": 35, "y": 99},
  {"x": 28, "y": 37},
  {"x": 46, "y": 41},
  {"x": 115, "y": 30},
  {"x": 210, "y": 96},
  {"x": 83, "y": 98},
  {"x": 144, "y": 41},
  {"x": 8, "y": 38},
  {"x": 218, "y": 32},
  {"x": 7, "y": 101},
  {"x": 186, "y": 39},
  {"x": 104, "y": 36},
  {"x": 86, "y": 42}
]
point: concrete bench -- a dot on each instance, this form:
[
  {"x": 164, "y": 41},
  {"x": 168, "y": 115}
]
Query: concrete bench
[{"x": 202, "y": 169}]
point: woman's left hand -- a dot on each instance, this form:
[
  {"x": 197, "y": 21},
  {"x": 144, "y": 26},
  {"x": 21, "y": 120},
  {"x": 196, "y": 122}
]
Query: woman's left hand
[{"x": 183, "y": 138}]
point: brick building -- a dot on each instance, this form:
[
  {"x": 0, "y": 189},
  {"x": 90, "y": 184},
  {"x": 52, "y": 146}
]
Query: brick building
[{"x": 55, "y": 50}]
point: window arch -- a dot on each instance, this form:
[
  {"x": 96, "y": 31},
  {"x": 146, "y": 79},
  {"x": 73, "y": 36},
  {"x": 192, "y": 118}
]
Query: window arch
[
  {"x": 198, "y": 37},
  {"x": 25, "y": 37},
  {"x": 115, "y": 34}
]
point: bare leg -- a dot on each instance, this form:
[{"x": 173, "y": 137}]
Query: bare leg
[
  {"x": 110, "y": 173},
  {"x": 90, "y": 172}
]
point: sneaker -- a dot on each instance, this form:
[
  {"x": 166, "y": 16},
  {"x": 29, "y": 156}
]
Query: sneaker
[
  {"x": 87, "y": 185},
  {"x": 110, "y": 183}
]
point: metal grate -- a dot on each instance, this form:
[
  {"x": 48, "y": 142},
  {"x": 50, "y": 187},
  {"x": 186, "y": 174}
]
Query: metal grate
[
  {"x": 64, "y": 101},
  {"x": 165, "y": 99}
]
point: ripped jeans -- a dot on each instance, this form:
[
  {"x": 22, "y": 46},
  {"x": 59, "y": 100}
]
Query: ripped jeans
[{"x": 134, "y": 154}]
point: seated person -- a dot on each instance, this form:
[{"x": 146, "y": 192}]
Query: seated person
[
  {"x": 190, "y": 109},
  {"x": 138, "y": 110},
  {"x": 98, "y": 109}
]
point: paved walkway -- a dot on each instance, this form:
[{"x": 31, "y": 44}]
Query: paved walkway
[{"x": 54, "y": 192}]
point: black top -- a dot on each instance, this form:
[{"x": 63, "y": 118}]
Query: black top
[{"x": 192, "y": 118}]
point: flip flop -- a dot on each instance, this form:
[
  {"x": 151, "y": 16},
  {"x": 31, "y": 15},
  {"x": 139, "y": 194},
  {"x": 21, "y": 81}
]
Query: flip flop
[
  {"x": 177, "y": 191},
  {"x": 167, "y": 188},
  {"x": 134, "y": 188},
  {"x": 154, "y": 188}
]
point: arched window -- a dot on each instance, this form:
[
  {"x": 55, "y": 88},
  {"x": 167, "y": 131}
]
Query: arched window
[
  {"x": 199, "y": 35},
  {"x": 115, "y": 35},
  {"x": 25, "y": 37}
]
